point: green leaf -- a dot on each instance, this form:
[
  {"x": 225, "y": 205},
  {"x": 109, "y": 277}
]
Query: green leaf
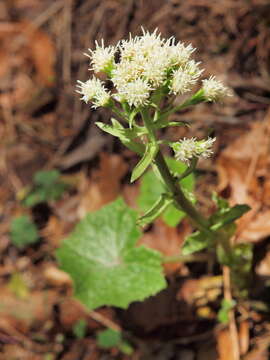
[
  {"x": 109, "y": 338},
  {"x": 241, "y": 267},
  {"x": 197, "y": 241},
  {"x": 223, "y": 313},
  {"x": 148, "y": 156},
  {"x": 106, "y": 267},
  {"x": 47, "y": 187},
  {"x": 46, "y": 178},
  {"x": 126, "y": 136},
  {"x": 156, "y": 210},
  {"x": 79, "y": 329},
  {"x": 18, "y": 286},
  {"x": 151, "y": 189},
  {"x": 227, "y": 216},
  {"x": 222, "y": 204},
  {"x": 165, "y": 123},
  {"x": 172, "y": 216},
  {"x": 23, "y": 232}
]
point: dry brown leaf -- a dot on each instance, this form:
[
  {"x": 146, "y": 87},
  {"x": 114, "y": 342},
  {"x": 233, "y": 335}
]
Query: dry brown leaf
[
  {"x": 167, "y": 240},
  {"x": 241, "y": 167},
  {"x": 224, "y": 345},
  {"x": 16, "y": 352},
  {"x": 260, "y": 351},
  {"x": 71, "y": 311},
  {"x": 42, "y": 51},
  {"x": 83, "y": 349},
  {"x": 263, "y": 268},
  {"x": 244, "y": 337},
  {"x": 56, "y": 277},
  {"x": 21, "y": 44},
  {"x": 105, "y": 185},
  {"x": 201, "y": 291},
  {"x": 55, "y": 230},
  {"x": 24, "y": 313}
]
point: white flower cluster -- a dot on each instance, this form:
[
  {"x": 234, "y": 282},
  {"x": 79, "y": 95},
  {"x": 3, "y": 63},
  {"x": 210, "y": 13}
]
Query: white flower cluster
[
  {"x": 93, "y": 90},
  {"x": 146, "y": 63},
  {"x": 187, "y": 149}
]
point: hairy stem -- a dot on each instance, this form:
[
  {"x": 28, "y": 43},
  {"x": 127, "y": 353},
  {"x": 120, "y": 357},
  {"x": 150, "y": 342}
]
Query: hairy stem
[{"x": 173, "y": 186}]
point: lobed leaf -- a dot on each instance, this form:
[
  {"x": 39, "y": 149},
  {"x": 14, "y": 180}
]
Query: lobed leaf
[{"x": 106, "y": 267}]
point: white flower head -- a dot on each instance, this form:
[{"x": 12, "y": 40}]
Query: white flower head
[
  {"x": 124, "y": 72},
  {"x": 187, "y": 149},
  {"x": 135, "y": 93},
  {"x": 178, "y": 54},
  {"x": 185, "y": 77},
  {"x": 154, "y": 69},
  {"x": 214, "y": 90},
  {"x": 93, "y": 90},
  {"x": 102, "y": 58}
]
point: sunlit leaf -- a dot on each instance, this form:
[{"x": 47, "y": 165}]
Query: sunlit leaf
[{"x": 106, "y": 267}]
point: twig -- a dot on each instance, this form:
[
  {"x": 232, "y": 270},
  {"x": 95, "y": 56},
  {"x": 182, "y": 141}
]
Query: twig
[
  {"x": 67, "y": 47},
  {"x": 232, "y": 323},
  {"x": 48, "y": 13},
  {"x": 104, "y": 321}
]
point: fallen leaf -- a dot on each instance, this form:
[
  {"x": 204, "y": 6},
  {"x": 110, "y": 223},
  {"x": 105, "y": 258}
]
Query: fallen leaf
[
  {"x": 56, "y": 277},
  {"x": 105, "y": 184},
  {"x": 16, "y": 352},
  {"x": 167, "y": 240},
  {"x": 242, "y": 167},
  {"x": 263, "y": 268},
  {"x": 37, "y": 45},
  {"x": 224, "y": 345},
  {"x": 244, "y": 337},
  {"x": 71, "y": 311},
  {"x": 201, "y": 291},
  {"x": 24, "y": 313}
]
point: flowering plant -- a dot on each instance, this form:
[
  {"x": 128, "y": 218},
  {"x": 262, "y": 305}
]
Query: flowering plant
[{"x": 145, "y": 76}]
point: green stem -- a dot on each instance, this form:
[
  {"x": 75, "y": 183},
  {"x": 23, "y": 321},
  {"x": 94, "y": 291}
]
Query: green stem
[
  {"x": 195, "y": 99},
  {"x": 178, "y": 195},
  {"x": 173, "y": 187}
]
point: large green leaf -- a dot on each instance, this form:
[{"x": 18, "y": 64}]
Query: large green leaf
[
  {"x": 151, "y": 189},
  {"x": 106, "y": 267}
]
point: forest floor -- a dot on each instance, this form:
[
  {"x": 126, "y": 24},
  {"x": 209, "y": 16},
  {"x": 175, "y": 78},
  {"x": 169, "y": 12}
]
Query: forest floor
[{"x": 44, "y": 126}]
